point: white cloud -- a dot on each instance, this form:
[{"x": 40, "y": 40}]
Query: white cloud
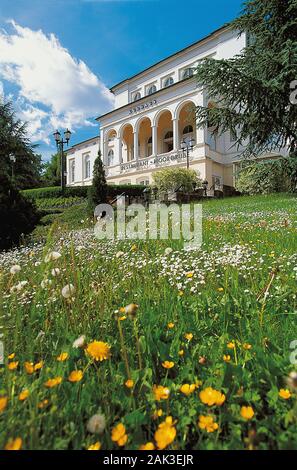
[{"x": 54, "y": 88}]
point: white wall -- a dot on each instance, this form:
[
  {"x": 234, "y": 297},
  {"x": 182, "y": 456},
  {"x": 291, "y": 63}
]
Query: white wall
[{"x": 79, "y": 153}]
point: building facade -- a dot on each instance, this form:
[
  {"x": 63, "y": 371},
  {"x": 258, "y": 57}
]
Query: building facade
[
  {"x": 154, "y": 112},
  {"x": 80, "y": 160}
]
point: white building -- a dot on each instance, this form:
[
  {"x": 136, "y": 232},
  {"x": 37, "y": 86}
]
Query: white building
[
  {"x": 80, "y": 161},
  {"x": 155, "y": 111}
]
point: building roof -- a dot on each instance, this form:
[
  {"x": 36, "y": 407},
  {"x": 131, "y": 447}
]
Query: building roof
[
  {"x": 181, "y": 51},
  {"x": 97, "y": 137}
]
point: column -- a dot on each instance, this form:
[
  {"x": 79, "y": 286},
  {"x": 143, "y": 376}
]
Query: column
[
  {"x": 119, "y": 150},
  {"x": 135, "y": 133},
  {"x": 176, "y": 142},
  {"x": 104, "y": 153},
  {"x": 154, "y": 141}
]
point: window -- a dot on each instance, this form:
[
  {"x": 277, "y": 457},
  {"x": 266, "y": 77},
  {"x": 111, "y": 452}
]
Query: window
[
  {"x": 87, "y": 167},
  {"x": 152, "y": 89},
  {"x": 168, "y": 81},
  {"x": 110, "y": 156},
  {"x": 188, "y": 130},
  {"x": 72, "y": 171},
  {"x": 187, "y": 73},
  {"x": 136, "y": 96}
]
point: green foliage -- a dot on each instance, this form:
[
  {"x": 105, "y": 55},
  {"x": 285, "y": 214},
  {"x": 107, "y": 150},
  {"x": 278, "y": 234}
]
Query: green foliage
[
  {"x": 98, "y": 191},
  {"x": 170, "y": 179},
  {"x": 132, "y": 190},
  {"x": 18, "y": 215},
  {"x": 55, "y": 192},
  {"x": 52, "y": 171},
  {"x": 58, "y": 202},
  {"x": 267, "y": 176},
  {"x": 13, "y": 140},
  {"x": 252, "y": 89}
]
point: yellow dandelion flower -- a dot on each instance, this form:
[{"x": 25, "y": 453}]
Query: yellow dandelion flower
[
  {"x": 170, "y": 325},
  {"x": 96, "y": 446},
  {"x": 42, "y": 404},
  {"x": 231, "y": 345},
  {"x": 188, "y": 336},
  {"x": 190, "y": 274},
  {"x": 11, "y": 356},
  {"x": 247, "y": 412},
  {"x": 75, "y": 376},
  {"x": 63, "y": 357},
  {"x": 160, "y": 392},
  {"x": 247, "y": 346},
  {"x": 181, "y": 352},
  {"x": 3, "y": 403},
  {"x": 14, "y": 444},
  {"x": 227, "y": 357},
  {"x": 13, "y": 365},
  {"x": 168, "y": 364},
  {"x": 38, "y": 366},
  {"x": 187, "y": 389},
  {"x": 284, "y": 393},
  {"x": 147, "y": 446},
  {"x": 165, "y": 433},
  {"x": 220, "y": 289},
  {"x": 210, "y": 397},
  {"x": 207, "y": 423},
  {"x": 51, "y": 383},
  {"x": 29, "y": 367},
  {"x": 24, "y": 395},
  {"x": 98, "y": 350},
  {"x": 129, "y": 383},
  {"x": 157, "y": 413},
  {"x": 118, "y": 434}
]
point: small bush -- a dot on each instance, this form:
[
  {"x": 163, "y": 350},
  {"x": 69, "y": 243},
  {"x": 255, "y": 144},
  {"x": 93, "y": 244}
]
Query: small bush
[
  {"x": 171, "y": 179},
  {"x": 18, "y": 215},
  {"x": 268, "y": 176}
]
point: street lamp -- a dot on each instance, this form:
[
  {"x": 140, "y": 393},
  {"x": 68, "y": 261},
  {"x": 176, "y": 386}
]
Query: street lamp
[
  {"x": 60, "y": 146},
  {"x": 12, "y": 158},
  {"x": 187, "y": 146}
]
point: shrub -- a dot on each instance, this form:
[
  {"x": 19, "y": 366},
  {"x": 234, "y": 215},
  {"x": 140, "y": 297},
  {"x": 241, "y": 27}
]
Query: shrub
[
  {"x": 268, "y": 176},
  {"x": 170, "y": 179},
  {"x": 97, "y": 194},
  {"x": 18, "y": 215},
  {"x": 55, "y": 192}
]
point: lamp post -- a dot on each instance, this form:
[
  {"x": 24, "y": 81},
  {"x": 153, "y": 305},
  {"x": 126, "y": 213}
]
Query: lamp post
[
  {"x": 12, "y": 158},
  {"x": 187, "y": 146},
  {"x": 60, "y": 146}
]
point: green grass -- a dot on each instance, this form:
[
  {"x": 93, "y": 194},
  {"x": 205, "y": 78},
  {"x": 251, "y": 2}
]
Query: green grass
[{"x": 239, "y": 288}]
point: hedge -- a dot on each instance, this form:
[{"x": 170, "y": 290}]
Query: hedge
[{"x": 82, "y": 191}]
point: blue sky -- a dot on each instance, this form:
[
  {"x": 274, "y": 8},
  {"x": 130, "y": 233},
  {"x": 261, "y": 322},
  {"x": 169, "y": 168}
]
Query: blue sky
[{"x": 58, "y": 58}]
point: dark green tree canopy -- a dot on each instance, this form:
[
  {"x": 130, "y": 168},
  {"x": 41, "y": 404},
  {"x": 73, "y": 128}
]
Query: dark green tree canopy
[
  {"x": 98, "y": 190},
  {"x": 14, "y": 140},
  {"x": 252, "y": 90}
]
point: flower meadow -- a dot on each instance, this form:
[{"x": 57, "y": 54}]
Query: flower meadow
[{"x": 145, "y": 345}]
